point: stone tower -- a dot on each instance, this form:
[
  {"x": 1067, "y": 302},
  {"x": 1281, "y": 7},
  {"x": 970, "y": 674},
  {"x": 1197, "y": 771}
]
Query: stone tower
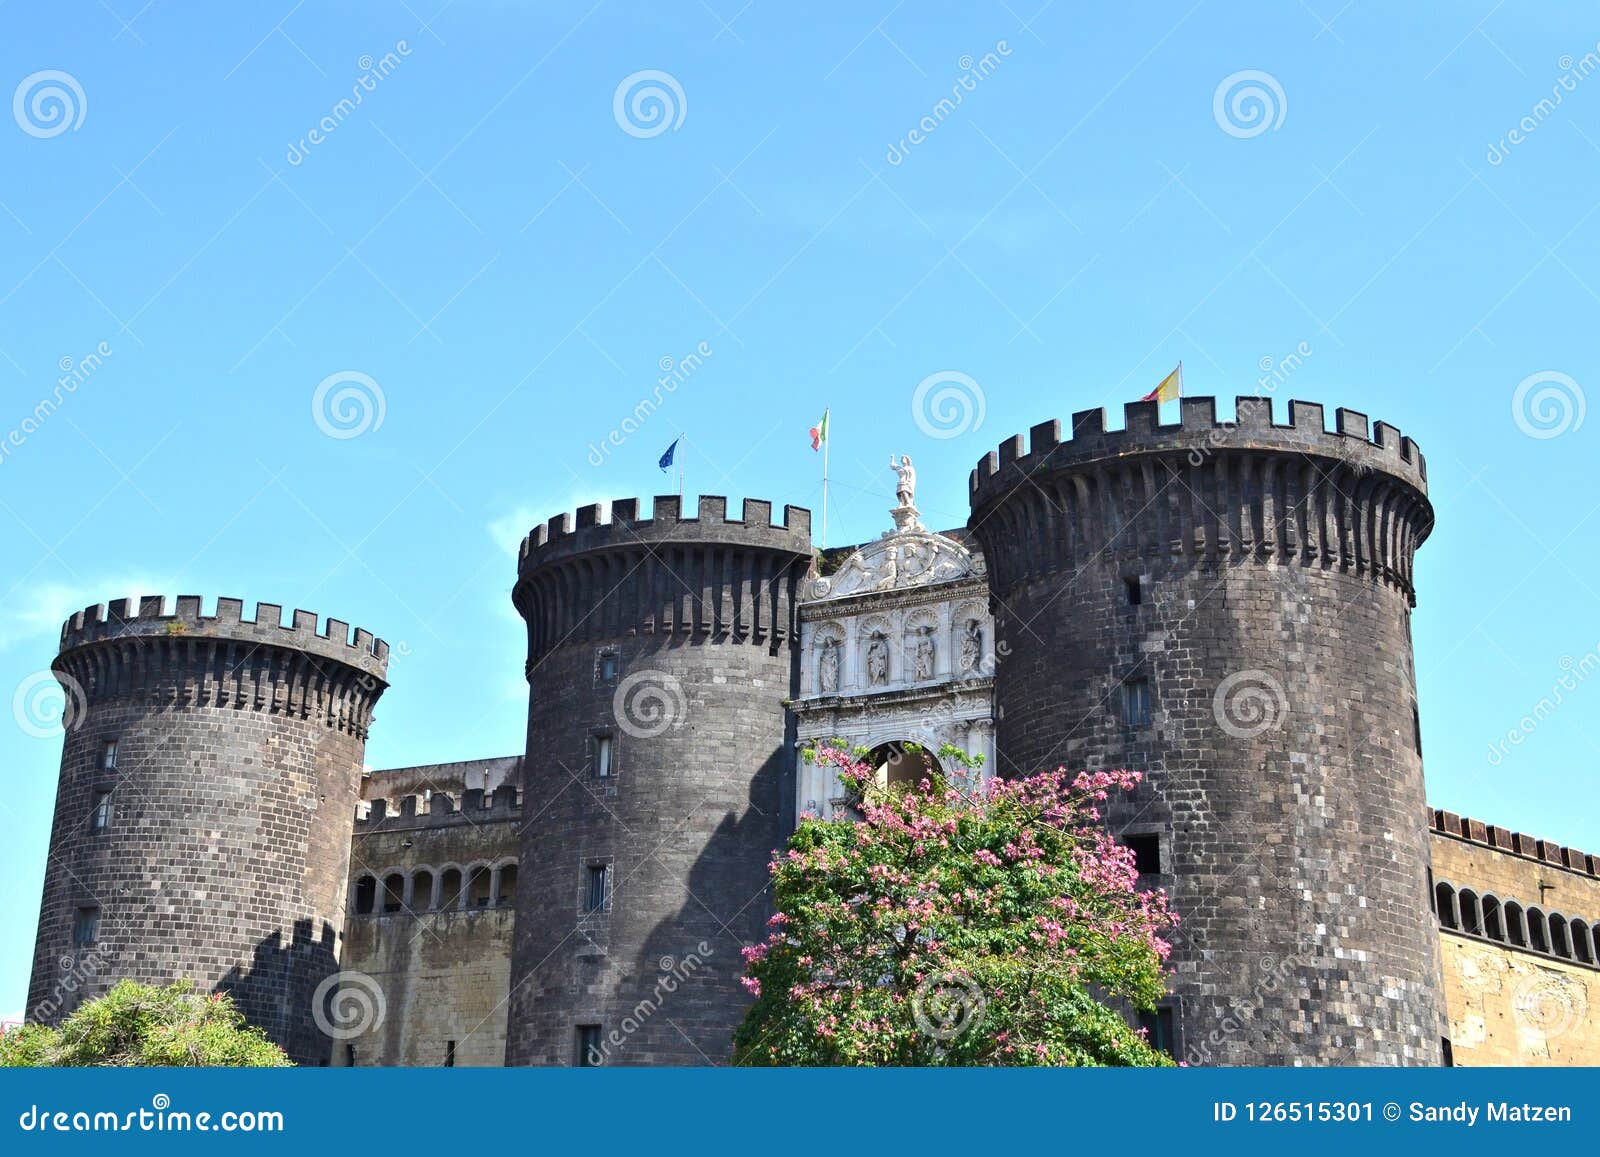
[
  {"x": 658, "y": 777},
  {"x": 209, "y": 782},
  {"x": 1226, "y": 607}
]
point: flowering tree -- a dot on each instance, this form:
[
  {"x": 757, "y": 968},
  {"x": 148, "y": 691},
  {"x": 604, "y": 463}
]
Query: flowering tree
[{"x": 957, "y": 924}]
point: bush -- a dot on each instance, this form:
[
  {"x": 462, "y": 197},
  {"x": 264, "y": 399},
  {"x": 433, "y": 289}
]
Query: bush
[{"x": 136, "y": 1024}]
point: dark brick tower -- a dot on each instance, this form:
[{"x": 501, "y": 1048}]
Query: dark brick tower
[
  {"x": 1227, "y": 608},
  {"x": 660, "y": 655},
  {"x": 202, "y": 830}
]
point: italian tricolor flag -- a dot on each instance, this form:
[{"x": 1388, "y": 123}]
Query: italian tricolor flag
[{"x": 819, "y": 432}]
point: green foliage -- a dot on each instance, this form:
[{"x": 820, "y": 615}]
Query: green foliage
[
  {"x": 136, "y": 1024},
  {"x": 951, "y": 926}
]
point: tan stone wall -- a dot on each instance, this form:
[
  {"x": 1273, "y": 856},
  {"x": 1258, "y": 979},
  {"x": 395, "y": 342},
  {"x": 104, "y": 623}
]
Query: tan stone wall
[
  {"x": 1508, "y": 1007},
  {"x": 1512, "y": 877},
  {"x": 444, "y": 974},
  {"x": 1511, "y": 1006}
]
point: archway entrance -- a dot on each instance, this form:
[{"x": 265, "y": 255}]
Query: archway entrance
[{"x": 904, "y": 765}]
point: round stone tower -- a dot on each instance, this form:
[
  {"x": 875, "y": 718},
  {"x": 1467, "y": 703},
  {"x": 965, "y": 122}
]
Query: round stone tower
[
  {"x": 658, "y": 779},
  {"x": 1226, "y": 607},
  {"x": 209, "y": 782}
]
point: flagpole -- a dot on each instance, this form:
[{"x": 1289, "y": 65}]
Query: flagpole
[
  {"x": 827, "y": 440},
  {"x": 682, "y": 438}
]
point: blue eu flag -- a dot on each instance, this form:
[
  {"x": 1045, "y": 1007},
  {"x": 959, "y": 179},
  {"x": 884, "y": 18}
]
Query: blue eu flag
[{"x": 666, "y": 459}]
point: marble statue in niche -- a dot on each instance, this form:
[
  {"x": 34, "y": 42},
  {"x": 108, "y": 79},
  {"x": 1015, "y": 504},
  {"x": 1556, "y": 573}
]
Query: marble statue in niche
[
  {"x": 922, "y": 651},
  {"x": 878, "y": 661},
  {"x": 828, "y": 666},
  {"x": 972, "y": 646}
]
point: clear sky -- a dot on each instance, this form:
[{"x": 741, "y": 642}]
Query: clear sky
[{"x": 509, "y": 260}]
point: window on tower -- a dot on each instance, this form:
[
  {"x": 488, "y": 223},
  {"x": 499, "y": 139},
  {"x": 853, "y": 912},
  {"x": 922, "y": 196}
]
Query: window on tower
[
  {"x": 597, "y": 887},
  {"x": 1146, "y": 850},
  {"x": 86, "y": 927},
  {"x": 1136, "y": 703},
  {"x": 587, "y": 1047},
  {"x": 100, "y": 811}
]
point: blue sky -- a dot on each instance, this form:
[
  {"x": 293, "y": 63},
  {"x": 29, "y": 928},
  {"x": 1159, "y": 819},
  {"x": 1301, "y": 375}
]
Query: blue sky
[{"x": 509, "y": 263}]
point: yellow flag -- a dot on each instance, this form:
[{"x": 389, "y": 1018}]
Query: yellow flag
[{"x": 1171, "y": 387}]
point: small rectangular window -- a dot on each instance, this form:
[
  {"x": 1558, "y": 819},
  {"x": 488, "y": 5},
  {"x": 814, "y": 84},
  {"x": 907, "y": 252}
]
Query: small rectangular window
[
  {"x": 449, "y": 1054},
  {"x": 588, "y": 1055},
  {"x": 350, "y": 1055},
  {"x": 1136, "y": 703},
  {"x": 1135, "y": 588},
  {"x": 100, "y": 812},
  {"x": 608, "y": 667},
  {"x": 108, "y": 755},
  {"x": 603, "y": 748},
  {"x": 1158, "y": 1030},
  {"x": 1146, "y": 853},
  {"x": 86, "y": 928},
  {"x": 1416, "y": 727},
  {"x": 599, "y": 883}
]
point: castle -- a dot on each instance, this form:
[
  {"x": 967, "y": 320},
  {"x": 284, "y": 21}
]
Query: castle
[{"x": 1222, "y": 605}]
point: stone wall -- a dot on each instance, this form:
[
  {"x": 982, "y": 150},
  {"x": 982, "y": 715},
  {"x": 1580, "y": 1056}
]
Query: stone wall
[
  {"x": 227, "y": 808},
  {"x": 666, "y": 647},
  {"x": 1518, "y": 913},
  {"x": 440, "y": 961},
  {"x": 1225, "y": 607}
]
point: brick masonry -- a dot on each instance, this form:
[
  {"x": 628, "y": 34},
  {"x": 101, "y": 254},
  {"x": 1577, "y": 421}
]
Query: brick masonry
[
  {"x": 674, "y": 639},
  {"x": 1272, "y": 633},
  {"x": 238, "y": 762}
]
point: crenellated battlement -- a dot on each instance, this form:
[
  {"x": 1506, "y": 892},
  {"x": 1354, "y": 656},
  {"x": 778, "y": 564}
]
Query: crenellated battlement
[
  {"x": 1351, "y": 497},
  {"x": 572, "y": 534},
  {"x": 581, "y": 579},
  {"x": 1512, "y": 843},
  {"x": 184, "y": 658},
  {"x": 116, "y": 620},
  {"x": 1198, "y": 429},
  {"x": 440, "y": 808}
]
